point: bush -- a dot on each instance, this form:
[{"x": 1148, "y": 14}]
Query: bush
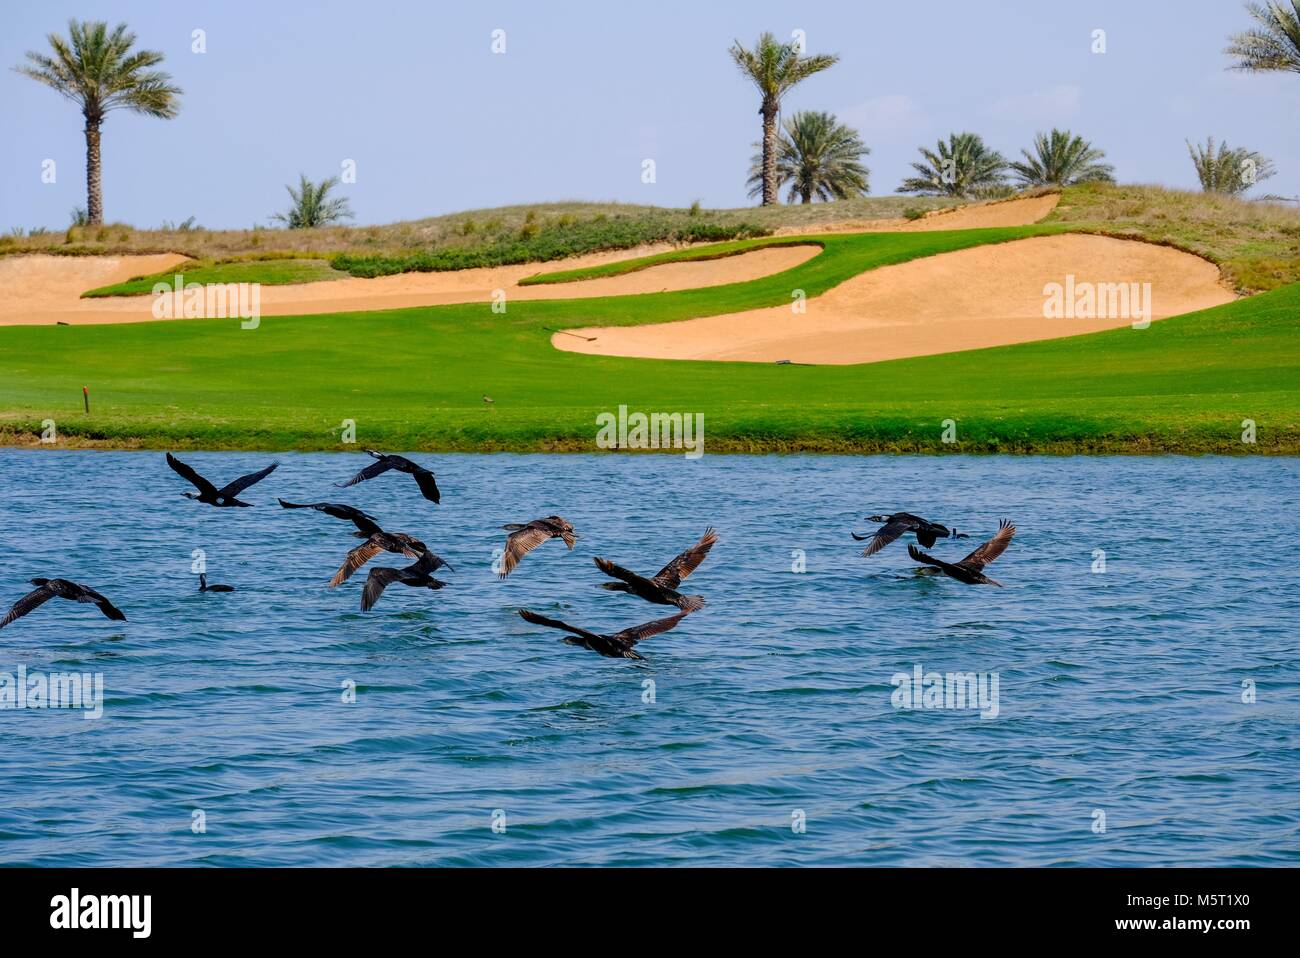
[{"x": 537, "y": 242}]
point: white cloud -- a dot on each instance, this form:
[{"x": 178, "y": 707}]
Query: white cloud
[{"x": 885, "y": 119}]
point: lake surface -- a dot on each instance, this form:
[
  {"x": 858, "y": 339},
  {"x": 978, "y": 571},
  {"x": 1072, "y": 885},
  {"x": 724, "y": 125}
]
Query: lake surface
[{"x": 771, "y": 736}]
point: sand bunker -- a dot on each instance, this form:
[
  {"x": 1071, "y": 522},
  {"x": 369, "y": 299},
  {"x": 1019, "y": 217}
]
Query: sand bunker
[
  {"x": 987, "y": 296},
  {"x": 45, "y": 289},
  {"x": 1018, "y": 212}
]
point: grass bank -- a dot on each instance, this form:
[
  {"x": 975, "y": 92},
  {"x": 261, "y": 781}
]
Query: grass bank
[
  {"x": 1256, "y": 245},
  {"x": 415, "y": 379}
]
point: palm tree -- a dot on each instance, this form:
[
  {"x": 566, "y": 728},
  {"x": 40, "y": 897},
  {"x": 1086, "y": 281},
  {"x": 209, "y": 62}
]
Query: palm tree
[
  {"x": 310, "y": 205},
  {"x": 775, "y": 68},
  {"x": 1061, "y": 158},
  {"x": 818, "y": 157},
  {"x": 1274, "y": 44},
  {"x": 1222, "y": 169},
  {"x": 962, "y": 167},
  {"x": 98, "y": 71}
]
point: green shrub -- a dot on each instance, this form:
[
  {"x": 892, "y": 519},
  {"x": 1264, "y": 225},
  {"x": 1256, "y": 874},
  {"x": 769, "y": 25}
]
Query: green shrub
[{"x": 538, "y": 242}]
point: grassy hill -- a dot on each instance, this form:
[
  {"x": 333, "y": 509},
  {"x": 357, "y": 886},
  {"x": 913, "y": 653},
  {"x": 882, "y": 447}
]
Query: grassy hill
[{"x": 414, "y": 379}]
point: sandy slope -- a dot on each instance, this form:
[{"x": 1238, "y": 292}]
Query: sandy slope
[
  {"x": 45, "y": 289},
  {"x": 1016, "y": 212},
  {"x": 986, "y": 296}
]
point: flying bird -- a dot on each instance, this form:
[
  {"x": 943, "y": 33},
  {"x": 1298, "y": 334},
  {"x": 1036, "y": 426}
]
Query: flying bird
[
  {"x": 226, "y": 495},
  {"x": 618, "y": 645},
  {"x": 376, "y": 543},
  {"x": 971, "y": 569},
  {"x": 662, "y": 589},
  {"x": 423, "y": 477},
  {"x": 365, "y": 523},
  {"x": 417, "y": 575},
  {"x": 900, "y": 523},
  {"x": 525, "y": 537},
  {"x": 47, "y": 589},
  {"x": 204, "y": 587}
]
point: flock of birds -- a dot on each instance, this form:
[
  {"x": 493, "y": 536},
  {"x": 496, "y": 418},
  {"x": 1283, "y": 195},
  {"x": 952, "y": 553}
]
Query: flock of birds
[{"x": 660, "y": 589}]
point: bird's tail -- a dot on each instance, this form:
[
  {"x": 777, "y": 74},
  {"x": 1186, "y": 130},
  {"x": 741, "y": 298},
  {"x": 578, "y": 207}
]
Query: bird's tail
[
  {"x": 691, "y": 603},
  {"x": 290, "y": 505}
]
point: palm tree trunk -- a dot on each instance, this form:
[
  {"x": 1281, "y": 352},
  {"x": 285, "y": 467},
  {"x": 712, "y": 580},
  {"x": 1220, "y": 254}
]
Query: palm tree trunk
[
  {"x": 768, "y": 110},
  {"x": 94, "y": 179}
]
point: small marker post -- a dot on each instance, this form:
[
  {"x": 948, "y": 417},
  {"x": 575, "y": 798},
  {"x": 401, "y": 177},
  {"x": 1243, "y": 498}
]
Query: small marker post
[{"x": 85, "y": 395}]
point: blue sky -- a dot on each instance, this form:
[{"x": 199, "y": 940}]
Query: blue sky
[{"x": 585, "y": 91}]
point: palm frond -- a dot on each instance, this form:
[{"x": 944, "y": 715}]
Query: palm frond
[{"x": 1273, "y": 44}]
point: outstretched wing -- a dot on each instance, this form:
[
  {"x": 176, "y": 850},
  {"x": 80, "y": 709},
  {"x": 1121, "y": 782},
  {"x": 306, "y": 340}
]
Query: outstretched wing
[
  {"x": 374, "y": 469},
  {"x": 630, "y": 637},
  {"x": 533, "y": 617},
  {"x": 187, "y": 473},
  {"x": 108, "y": 608},
  {"x": 886, "y": 534},
  {"x": 928, "y": 559},
  {"x": 518, "y": 545},
  {"x": 355, "y": 560},
  {"x": 376, "y": 582},
  {"x": 671, "y": 575},
  {"x": 990, "y": 550},
  {"x": 428, "y": 563},
  {"x": 32, "y": 600},
  {"x": 618, "y": 572},
  {"x": 243, "y": 482},
  {"x": 362, "y": 520},
  {"x": 428, "y": 488}
]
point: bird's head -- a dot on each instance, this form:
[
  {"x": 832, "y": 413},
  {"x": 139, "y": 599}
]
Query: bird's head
[
  {"x": 39, "y": 581},
  {"x": 876, "y": 519},
  {"x": 613, "y": 586},
  {"x": 189, "y": 495}
]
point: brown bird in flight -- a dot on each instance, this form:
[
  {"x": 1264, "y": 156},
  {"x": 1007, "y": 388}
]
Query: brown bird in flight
[
  {"x": 47, "y": 589},
  {"x": 210, "y": 494},
  {"x": 376, "y": 543},
  {"x": 423, "y": 477},
  {"x": 525, "y": 537},
  {"x": 971, "y": 569},
  {"x": 662, "y": 589},
  {"x": 417, "y": 575},
  {"x": 617, "y": 645}
]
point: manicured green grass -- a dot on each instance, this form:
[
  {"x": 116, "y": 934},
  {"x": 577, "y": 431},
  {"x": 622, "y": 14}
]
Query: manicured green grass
[
  {"x": 272, "y": 272},
  {"x": 692, "y": 254},
  {"x": 414, "y": 379}
]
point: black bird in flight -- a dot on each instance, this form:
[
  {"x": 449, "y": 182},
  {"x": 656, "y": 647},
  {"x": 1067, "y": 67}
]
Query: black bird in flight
[
  {"x": 47, "y": 589},
  {"x": 662, "y": 589},
  {"x": 225, "y": 496},
  {"x": 423, "y": 477},
  {"x": 365, "y": 523},
  {"x": 417, "y": 575},
  {"x": 376, "y": 543},
  {"x": 900, "y": 523},
  {"x": 615, "y": 646},
  {"x": 971, "y": 569},
  {"x": 218, "y": 587},
  {"x": 525, "y": 537}
]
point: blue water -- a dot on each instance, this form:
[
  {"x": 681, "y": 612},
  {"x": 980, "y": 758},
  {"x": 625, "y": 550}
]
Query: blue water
[{"x": 1119, "y": 692}]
